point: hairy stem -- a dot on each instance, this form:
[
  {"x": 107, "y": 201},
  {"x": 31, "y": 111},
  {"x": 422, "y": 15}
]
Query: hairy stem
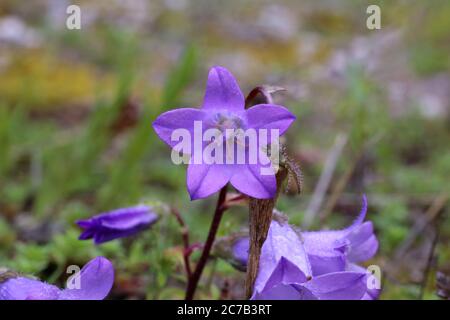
[
  {"x": 194, "y": 279},
  {"x": 260, "y": 211},
  {"x": 260, "y": 217}
]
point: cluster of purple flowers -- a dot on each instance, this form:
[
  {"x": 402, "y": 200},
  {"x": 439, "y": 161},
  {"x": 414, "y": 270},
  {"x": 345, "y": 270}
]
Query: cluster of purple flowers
[
  {"x": 294, "y": 264},
  {"x": 314, "y": 265}
]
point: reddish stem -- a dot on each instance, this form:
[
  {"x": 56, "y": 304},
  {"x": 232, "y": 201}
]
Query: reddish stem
[
  {"x": 194, "y": 279},
  {"x": 187, "y": 250}
]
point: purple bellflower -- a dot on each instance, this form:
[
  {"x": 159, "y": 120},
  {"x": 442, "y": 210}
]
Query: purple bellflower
[
  {"x": 117, "y": 223},
  {"x": 285, "y": 272},
  {"x": 223, "y": 109},
  {"x": 96, "y": 281},
  {"x": 314, "y": 265},
  {"x": 334, "y": 250}
]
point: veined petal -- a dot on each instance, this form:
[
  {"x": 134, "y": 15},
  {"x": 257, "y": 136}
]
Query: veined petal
[
  {"x": 262, "y": 187},
  {"x": 222, "y": 91},
  {"x": 205, "y": 179},
  {"x": 96, "y": 281},
  {"x": 117, "y": 223},
  {"x": 22, "y": 288},
  {"x": 285, "y": 272},
  {"x": 126, "y": 218},
  {"x": 175, "y": 119},
  {"x": 284, "y": 284},
  {"x": 338, "y": 286},
  {"x": 255, "y": 180},
  {"x": 329, "y": 250},
  {"x": 269, "y": 116},
  {"x": 282, "y": 242},
  {"x": 326, "y": 264},
  {"x": 323, "y": 243},
  {"x": 104, "y": 235},
  {"x": 363, "y": 243}
]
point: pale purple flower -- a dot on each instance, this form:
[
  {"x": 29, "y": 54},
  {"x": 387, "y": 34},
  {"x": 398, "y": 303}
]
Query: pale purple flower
[
  {"x": 327, "y": 258},
  {"x": 333, "y": 250},
  {"x": 117, "y": 223},
  {"x": 224, "y": 108},
  {"x": 288, "y": 282},
  {"x": 96, "y": 281},
  {"x": 285, "y": 272}
]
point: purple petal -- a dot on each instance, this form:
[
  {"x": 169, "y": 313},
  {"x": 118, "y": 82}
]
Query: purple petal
[
  {"x": 127, "y": 218},
  {"x": 360, "y": 233},
  {"x": 367, "y": 296},
  {"x": 249, "y": 180},
  {"x": 105, "y": 235},
  {"x": 283, "y": 283},
  {"x": 117, "y": 223},
  {"x": 96, "y": 279},
  {"x": 87, "y": 234},
  {"x": 285, "y": 272},
  {"x": 240, "y": 250},
  {"x": 27, "y": 289},
  {"x": 338, "y": 286},
  {"x": 362, "y": 213},
  {"x": 175, "y": 119},
  {"x": 373, "y": 293},
  {"x": 326, "y": 264},
  {"x": 282, "y": 241},
  {"x": 321, "y": 249},
  {"x": 363, "y": 243},
  {"x": 324, "y": 243},
  {"x": 205, "y": 179},
  {"x": 329, "y": 250},
  {"x": 269, "y": 116},
  {"x": 285, "y": 292},
  {"x": 222, "y": 91}
]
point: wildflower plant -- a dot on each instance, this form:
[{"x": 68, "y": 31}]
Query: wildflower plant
[
  {"x": 231, "y": 141},
  {"x": 279, "y": 266}
]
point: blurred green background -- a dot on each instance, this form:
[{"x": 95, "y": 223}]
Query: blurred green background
[{"x": 76, "y": 108}]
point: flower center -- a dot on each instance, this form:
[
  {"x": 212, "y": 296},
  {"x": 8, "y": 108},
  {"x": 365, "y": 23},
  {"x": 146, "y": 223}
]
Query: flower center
[
  {"x": 224, "y": 121},
  {"x": 231, "y": 127}
]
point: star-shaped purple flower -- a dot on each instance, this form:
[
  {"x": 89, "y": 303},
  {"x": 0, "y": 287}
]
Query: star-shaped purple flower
[
  {"x": 224, "y": 108},
  {"x": 117, "y": 223},
  {"x": 96, "y": 281}
]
